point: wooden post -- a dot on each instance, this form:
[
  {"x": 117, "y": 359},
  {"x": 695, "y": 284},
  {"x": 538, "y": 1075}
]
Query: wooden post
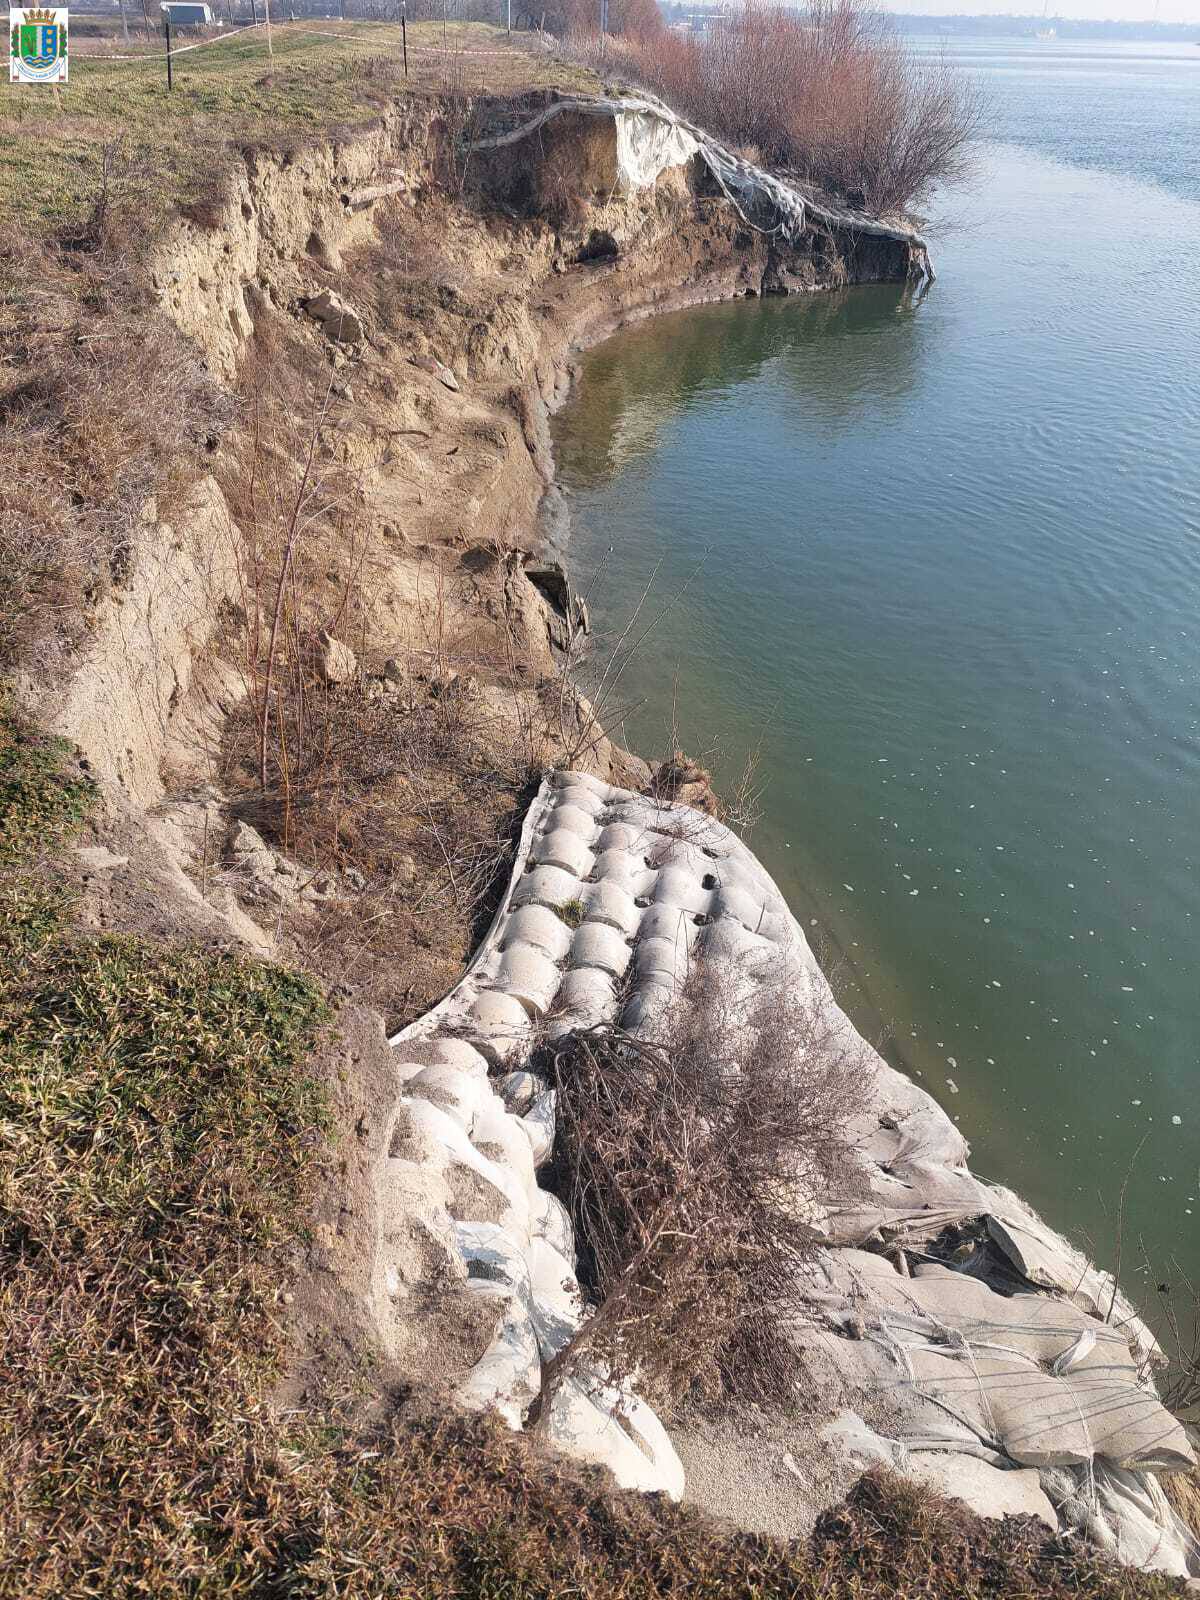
[
  {"x": 267, "y": 12},
  {"x": 254, "y": 12},
  {"x": 167, "y": 30},
  {"x": 404, "y": 32}
]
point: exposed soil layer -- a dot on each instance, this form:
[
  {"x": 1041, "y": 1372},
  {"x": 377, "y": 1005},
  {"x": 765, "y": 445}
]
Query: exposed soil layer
[{"x": 315, "y": 696}]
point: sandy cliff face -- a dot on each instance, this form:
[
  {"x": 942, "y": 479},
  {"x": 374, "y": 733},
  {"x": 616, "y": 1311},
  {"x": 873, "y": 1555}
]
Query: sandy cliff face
[
  {"x": 399, "y": 311},
  {"x": 404, "y": 305}
]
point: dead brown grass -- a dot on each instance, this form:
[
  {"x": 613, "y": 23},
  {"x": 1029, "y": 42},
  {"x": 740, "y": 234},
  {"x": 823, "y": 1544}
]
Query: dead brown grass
[{"x": 105, "y": 415}]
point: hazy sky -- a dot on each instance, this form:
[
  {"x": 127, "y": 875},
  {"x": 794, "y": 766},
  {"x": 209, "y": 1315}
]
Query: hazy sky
[{"x": 1124, "y": 10}]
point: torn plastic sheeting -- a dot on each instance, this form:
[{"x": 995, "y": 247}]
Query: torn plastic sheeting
[{"x": 647, "y": 146}]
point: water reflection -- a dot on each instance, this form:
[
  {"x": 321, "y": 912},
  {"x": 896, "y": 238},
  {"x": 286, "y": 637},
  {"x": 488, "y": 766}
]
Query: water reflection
[{"x": 832, "y": 352}]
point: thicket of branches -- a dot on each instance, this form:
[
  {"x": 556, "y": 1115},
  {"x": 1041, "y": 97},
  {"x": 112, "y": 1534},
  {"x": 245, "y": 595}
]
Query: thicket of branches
[
  {"x": 830, "y": 93},
  {"x": 628, "y": 19},
  {"x": 695, "y": 1168}
]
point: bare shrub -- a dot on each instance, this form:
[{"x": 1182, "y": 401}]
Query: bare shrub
[
  {"x": 829, "y": 93},
  {"x": 696, "y": 1168},
  {"x": 629, "y": 19}
]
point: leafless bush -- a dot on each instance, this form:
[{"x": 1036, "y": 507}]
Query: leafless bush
[
  {"x": 830, "y": 93},
  {"x": 696, "y": 1168},
  {"x": 629, "y": 19}
]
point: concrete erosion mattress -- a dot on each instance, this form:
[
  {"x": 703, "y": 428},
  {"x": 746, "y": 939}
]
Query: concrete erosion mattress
[{"x": 1020, "y": 1382}]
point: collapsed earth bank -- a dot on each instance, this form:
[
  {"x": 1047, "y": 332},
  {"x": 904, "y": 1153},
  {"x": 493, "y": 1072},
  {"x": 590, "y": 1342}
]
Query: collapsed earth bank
[{"x": 394, "y": 315}]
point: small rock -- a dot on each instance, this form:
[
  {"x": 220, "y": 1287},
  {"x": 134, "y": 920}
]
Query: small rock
[
  {"x": 394, "y": 672},
  {"x": 338, "y": 320},
  {"x": 438, "y": 370},
  {"x": 333, "y": 661},
  {"x": 97, "y": 859},
  {"x": 405, "y": 871},
  {"x": 355, "y": 879}
]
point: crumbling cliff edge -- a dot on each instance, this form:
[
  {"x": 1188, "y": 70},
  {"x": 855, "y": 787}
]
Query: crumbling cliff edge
[{"x": 403, "y": 306}]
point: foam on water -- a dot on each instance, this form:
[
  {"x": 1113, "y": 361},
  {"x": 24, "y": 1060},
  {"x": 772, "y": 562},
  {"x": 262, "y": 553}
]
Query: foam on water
[{"x": 950, "y": 574}]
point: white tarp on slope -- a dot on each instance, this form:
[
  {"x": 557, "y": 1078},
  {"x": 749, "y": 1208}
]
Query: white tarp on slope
[
  {"x": 646, "y": 146},
  {"x": 1042, "y": 1386},
  {"x": 651, "y": 138}
]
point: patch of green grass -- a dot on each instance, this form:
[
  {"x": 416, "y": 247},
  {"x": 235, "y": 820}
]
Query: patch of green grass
[
  {"x": 40, "y": 798},
  {"x": 572, "y": 912},
  {"x": 229, "y": 95}
]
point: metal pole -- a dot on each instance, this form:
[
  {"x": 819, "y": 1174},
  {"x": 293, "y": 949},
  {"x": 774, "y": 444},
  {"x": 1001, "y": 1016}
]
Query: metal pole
[
  {"x": 508, "y": 16},
  {"x": 167, "y": 23},
  {"x": 254, "y": 12},
  {"x": 404, "y": 32},
  {"x": 270, "y": 46}
]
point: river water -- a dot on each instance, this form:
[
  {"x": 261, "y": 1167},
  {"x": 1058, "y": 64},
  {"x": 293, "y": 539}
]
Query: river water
[{"x": 941, "y": 560}]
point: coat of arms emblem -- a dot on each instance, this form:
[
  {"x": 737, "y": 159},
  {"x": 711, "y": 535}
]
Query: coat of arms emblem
[{"x": 38, "y": 49}]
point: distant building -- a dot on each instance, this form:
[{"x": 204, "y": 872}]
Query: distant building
[
  {"x": 187, "y": 13},
  {"x": 700, "y": 18}
]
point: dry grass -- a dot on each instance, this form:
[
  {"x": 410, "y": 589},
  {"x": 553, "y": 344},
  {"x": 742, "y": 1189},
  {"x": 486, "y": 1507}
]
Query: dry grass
[
  {"x": 160, "y": 1139},
  {"x": 830, "y": 93},
  {"x": 694, "y": 1169},
  {"x": 105, "y": 412},
  {"x": 325, "y": 79},
  {"x": 406, "y": 795}
]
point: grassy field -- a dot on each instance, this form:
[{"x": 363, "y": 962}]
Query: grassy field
[{"x": 228, "y": 94}]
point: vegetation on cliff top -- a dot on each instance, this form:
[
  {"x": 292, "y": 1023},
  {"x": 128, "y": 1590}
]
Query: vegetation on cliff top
[
  {"x": 324, "y": 79},
  {"x": 830, "y": 93}
]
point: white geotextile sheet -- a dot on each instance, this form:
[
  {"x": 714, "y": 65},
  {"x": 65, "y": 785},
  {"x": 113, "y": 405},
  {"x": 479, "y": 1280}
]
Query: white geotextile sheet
[{"x": 647, "y": 146}]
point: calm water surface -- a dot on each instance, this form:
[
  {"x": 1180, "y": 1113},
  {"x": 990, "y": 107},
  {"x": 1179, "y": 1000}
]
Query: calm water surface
[{"x": 944, "y": 560}]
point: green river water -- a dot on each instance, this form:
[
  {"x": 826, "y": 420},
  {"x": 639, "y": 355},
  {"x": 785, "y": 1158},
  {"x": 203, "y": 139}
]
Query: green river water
[{"x": 942, "y": 559}]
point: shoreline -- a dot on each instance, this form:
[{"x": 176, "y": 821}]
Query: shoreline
[{"x": 486, "y": 397}]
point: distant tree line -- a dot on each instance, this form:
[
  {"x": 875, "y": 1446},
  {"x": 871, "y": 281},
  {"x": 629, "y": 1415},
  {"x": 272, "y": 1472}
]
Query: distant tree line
[{"x": 1028, "y": 26}]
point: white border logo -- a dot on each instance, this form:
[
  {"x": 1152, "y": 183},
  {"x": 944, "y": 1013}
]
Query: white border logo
[{"x": 37, "y": 44}]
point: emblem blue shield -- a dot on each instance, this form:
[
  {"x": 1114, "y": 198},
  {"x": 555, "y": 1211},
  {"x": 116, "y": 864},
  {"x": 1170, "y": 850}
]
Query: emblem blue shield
[{"x": 38, "y": 45}]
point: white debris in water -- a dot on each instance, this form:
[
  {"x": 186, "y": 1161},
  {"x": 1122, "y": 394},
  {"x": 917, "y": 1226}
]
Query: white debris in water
[
  {"x": 951, "y": 1085},
  {"x": 1178, "y": 1121}
]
